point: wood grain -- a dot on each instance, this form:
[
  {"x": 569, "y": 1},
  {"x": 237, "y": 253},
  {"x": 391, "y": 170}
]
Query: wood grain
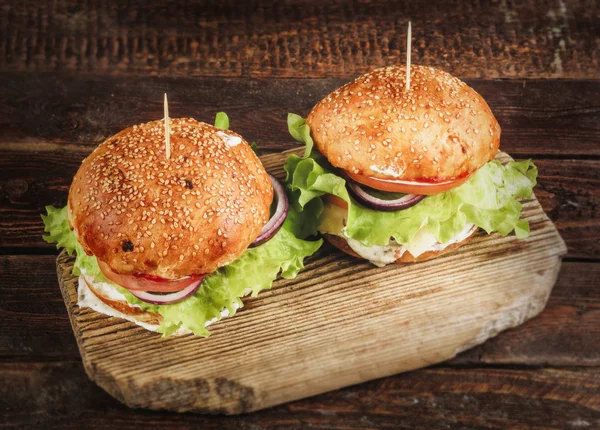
[
  {"x": 569, "y": 191},
  {"x": 345, "y": 322},
  {"x": 557, "y": 121},
  {"x": 536, "y": 38},
  {"x": 41, "y": 112},
  {"x": 431, "y": 398},
  {"x": 50, "y": 122},
  {"x": 562, "y": 335},
  {"x": 35, "y": 326}
]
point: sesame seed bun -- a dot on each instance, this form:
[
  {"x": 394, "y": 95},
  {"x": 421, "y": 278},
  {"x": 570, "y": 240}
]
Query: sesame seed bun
[
  {"x": 407, "y": 257},
  {"x": 143, "y": 214},
  {"x": 440, "y": 129}
]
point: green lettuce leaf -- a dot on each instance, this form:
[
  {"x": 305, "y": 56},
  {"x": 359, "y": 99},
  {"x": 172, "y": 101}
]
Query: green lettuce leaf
[
  {"x": 488, "y": 200},
  {"x": 255, "y": 270},
  {"x": 300, "y": 131},
  {"x": 57, "y": 224},
  {"x": 222, "y": 121}
]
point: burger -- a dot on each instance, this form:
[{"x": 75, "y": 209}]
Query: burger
[
  {"x": 173, "y": 241},
  {"x": 396, "y": 174}
]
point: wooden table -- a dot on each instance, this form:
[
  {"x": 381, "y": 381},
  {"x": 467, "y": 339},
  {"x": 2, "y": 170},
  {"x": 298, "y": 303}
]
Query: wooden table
[{"x": 74, "y": 74}]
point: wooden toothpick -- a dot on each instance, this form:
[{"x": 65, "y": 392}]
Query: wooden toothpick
[
  {"x": 408, "y": 45},
  {"x": 167, "y": 129}
]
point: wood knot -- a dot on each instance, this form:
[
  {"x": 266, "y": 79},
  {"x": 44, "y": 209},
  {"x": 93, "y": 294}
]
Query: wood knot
[
  {"x": 68, "y": 123},
  {"x": 229, "y": 389},
  {"x": 15, "y": 188}
]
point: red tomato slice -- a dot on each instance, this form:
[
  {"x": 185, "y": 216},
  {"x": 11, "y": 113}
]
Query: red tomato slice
[
  {"x": 151, "y": 283},
  {"x": 335, "y": 200},
  {"x": 408, "y": 187}
]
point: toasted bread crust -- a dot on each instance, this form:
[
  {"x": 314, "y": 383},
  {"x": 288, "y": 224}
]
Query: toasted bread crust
[
  {"x": 440, "y": 129},
  {"x": 142, "y": 213}
]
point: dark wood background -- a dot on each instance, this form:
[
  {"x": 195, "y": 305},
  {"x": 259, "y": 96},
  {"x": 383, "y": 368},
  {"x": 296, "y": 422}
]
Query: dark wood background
[{"x": 73, "y": 73}]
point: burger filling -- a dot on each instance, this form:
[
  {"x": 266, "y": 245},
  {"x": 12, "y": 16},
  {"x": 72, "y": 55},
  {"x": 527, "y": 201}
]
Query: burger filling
[
  {"x": 382, "y": 219},
  {"x": 99, "y": 295},
  {"x": 190, "y": 303},
  {"x": 334, "y": 219},
  {"x": 220, "y": 292}
]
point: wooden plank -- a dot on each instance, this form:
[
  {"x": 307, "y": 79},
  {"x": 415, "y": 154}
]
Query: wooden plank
[
  {"x": 35, "y": 324},
  {"x": 569, "y": 191},
  {"x": 564, "y": 334},
  {"x": 538, "y": 38},
  {"x": 346, "y": 322},
  {"x": 43, "y": 394},
  {"x": 53, "y": 111}
]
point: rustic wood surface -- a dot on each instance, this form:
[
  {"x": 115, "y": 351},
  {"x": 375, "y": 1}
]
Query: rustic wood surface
[
  {"x": 534, "y": 38},
  {"x": 51, "y": 122},
  {"x": 543, "y": 374},
  {"x": 437, "y": 397},
  {"x": 564, "y": 334},
  {"x": 346, "y": 322}
]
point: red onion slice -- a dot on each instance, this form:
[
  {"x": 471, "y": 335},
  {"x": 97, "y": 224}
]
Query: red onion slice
[
  {"x": 274, "y": 224},
  {"x": 373, "y": 202},
  {"x": 167, "y": 299}
]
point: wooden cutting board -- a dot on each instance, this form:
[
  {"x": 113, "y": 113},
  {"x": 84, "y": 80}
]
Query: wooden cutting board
[{"x": 340, "y": 322}]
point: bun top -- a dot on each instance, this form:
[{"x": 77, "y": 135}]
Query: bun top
[
  {"x": 438, "y": 130},
  {"x": 143, "y": 214}
]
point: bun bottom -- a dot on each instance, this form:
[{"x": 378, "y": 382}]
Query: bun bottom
[{"x": 407, "y": 257}]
